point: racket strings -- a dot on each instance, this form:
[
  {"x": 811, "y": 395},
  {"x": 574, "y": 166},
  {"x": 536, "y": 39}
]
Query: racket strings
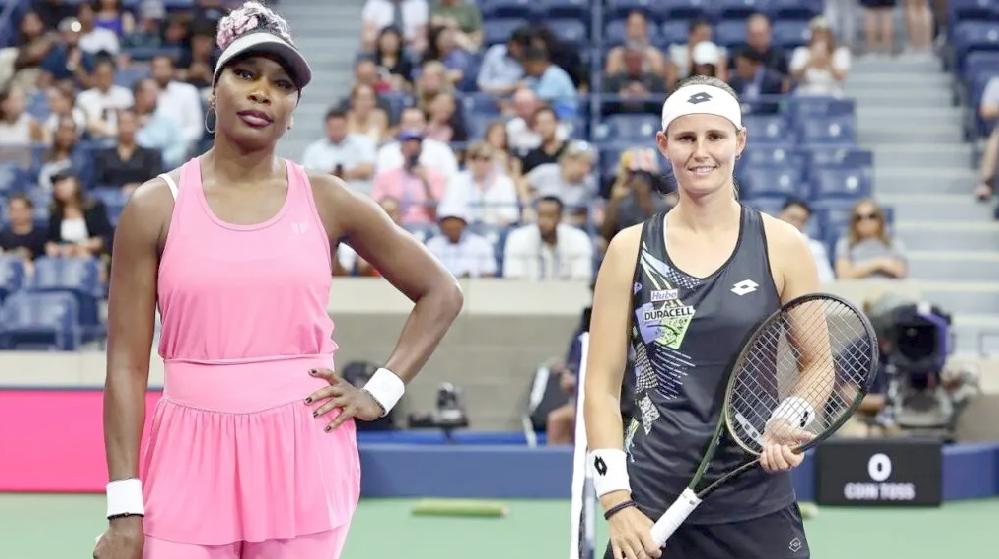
[{"x": 815, "y": 357}]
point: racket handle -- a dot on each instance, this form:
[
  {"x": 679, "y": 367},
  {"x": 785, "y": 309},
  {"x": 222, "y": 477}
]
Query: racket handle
[{"x": 674, "y": 516}]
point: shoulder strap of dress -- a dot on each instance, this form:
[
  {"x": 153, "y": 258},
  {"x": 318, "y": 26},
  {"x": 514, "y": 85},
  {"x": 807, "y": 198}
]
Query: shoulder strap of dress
[{"x": 171, "y": 184}]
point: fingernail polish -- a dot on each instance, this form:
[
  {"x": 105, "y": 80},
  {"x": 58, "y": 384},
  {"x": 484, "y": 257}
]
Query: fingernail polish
[
  {"x": 315, "y": 414},
  {"x": 312, "y": 371},
  {"x": 327, "y": 428},
  {"x": 308, "y": 400}
]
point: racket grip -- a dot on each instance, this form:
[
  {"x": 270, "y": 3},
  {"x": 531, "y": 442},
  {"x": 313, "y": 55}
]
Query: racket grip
[{"x": 674, "y": 516}]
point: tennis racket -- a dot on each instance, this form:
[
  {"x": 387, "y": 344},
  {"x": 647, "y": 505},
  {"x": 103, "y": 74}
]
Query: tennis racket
[{"x": 800, "y": 376}]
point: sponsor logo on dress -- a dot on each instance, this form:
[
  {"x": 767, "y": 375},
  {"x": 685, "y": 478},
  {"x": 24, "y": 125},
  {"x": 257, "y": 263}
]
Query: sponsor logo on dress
[
  {"x": 743, "y": 287},
  {"x": 659, "y": 295}
]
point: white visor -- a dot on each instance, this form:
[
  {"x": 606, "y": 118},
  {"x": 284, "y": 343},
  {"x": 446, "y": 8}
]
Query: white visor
[
  {"x": 262, "y": 42},
  {"x": 701, "y": 99}
]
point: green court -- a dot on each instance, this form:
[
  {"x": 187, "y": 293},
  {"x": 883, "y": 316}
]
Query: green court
[{"x": 60, "y": 526}]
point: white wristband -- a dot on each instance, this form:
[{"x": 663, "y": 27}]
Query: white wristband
[
  {"x": 796, "y": 410},
  {"x": 125, "y": 497},
  {"x": 386, "y": 388},
  {"x": 609, "y": 469}
]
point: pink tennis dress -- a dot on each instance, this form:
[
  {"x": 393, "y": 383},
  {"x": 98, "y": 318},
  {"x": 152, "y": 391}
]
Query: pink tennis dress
[{"x": 234, "y": 454}]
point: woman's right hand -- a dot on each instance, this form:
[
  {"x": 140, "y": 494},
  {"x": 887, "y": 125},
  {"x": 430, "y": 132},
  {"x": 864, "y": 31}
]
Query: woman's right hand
[
  {"x": 631, "y": 534},
  {"x": 122, "y": 540}
]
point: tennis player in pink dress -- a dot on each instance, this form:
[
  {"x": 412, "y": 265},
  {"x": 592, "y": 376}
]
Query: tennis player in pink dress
[{"x": 252, "y": 451}]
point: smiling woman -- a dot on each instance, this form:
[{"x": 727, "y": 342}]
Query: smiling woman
[{"x": 252, "y": 449}]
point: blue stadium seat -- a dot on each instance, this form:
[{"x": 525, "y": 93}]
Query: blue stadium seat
[
  {"x": 126, "y": 77},
  {"x": 144, "y": 54},
  {"x": 772, "y": 129},
  {"x": 667, "y": 10},
  {"x": 799, "y": 108},
  {"x": 841, "y": 182},
  {"x": 789, "y": 34},
  {"x": 627, "y": 127},
  {"x": 767, "y": 204},
  {"x": 615, "y": 32},
  {"x": 33, "y": 320},
  {"x": 772, "y": 181},
  {"x": 496, "y": 235},
  {"x": 178, "y": 5},
  {"x": 571, "y": 32},
  {"x": 506, "y": 8},
  {"x": 78, "y": 277},
  {"x": 776, "y": 154},
  {"x": 672, "y": 33},
  {"x": 828, "y": 130},
  {"x": 480, "y": 103},
  {"x": 974, "y": 35},
  {"x": 114, "y": 201},
  {"x": 12, "y": 276},
  {"x": 578, "y": 9},
  {"x": 397, "y": 101},
  {"x": 730, "y": 33},
  {"x": 980, "y": 62},
  {"x": 496, "y": 31},
  {"x": 839, "y": 156},
  {"x": 476, "y": 124},
  {"x": 795, "y": 9},
  {"x": 962, "y": 10},
  {"x": 12, "y": 178},
  {"x": 734, "y": 9},
  {"x": 621, "y": 8}
]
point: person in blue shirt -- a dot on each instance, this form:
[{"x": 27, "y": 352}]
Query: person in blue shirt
[{"x": 550, "y": 82}]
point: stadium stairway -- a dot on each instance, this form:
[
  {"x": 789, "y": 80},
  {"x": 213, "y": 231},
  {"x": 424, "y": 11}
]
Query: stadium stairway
[
  {"x": 328, "y": 34},
  {"x": 923, "y": 169}
]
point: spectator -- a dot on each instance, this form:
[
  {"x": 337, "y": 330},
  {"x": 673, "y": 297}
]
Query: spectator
[
  {"x": 409, "y": 15},
  {"x": 348, "y": 156},
  {"x": 101, "y": 102},
  {"x": 68, "y": 61},
  {"x": 502, "y": 66},
  {"x": 635, "y": 195},
  {"x": 17, "y": 127},
  {"x": 752, "y": 78},
  {"x": 549, "y": 249},
  {"x": 919, "y": 27},
  {"x": 820, "y": 67},
  {"x": 988, "y": 110},
  {"x": 95, "y": 39},
  {"x": 562, "y": 55},
  {"x": 797, "y": 212},
  {"x": 178, "y": 100},
  {"x": 175, "y": 33},
  {"x": 636, "y": 38},
  {"x": 571, "y": 180},
  {"x": 34, "y": 46},
  {"x": 431, "y": 80},
  {"x": 147, "y": 35},
  {"x": 463, "y": 17},
  {"x": 127, "y": 164},
  {"x": 496, "y": 136},
  {"x": 545, "y": 125},
  {"x": 21, "y": 237},
  {"x": 520, "y": 130},
  {"x": 62, "y": 103},
  {"x": 364, "y": 116},
  {"x": 759, "y": 39},
  {"x": 417, "y": 185},
  {"x": 53, "y": 12},
  {"x": 433, "y": 154},
  {"x": 483, "y": 189},
  {"x": 706, "y": 60},
  {"x": 392, "y": 59},
  {"x": 444, "y": 48},
  {"x": 868, "y": 250},
  {"x": 210, "y": 11},
  {"x": 560, "y": 423},
  {"x": 78, "y": 225},
  {"x": 681, "y": 62},
  {"x": 463, "y": 253},
  {"x": 366, "y": 73},
  {"x": 64, "y": 155},
  {"x": 110, "y": 16},
  {"x": 198, "y": 63},
  {"x": 157, "y": 130},
  {"x": 879, "y": 25},
  {"x": 551, "y": 83},
  {"x": 634, "y": 83},
  {"x": 445, "y": 122}
]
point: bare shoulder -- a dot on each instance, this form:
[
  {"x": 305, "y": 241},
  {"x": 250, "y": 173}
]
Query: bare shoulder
[
  {"x": 329, "y": 191},
  {"x": 152, "y": 202},
  {"x": 781, "y": 235},
  {"x": 625, "y": 244}
]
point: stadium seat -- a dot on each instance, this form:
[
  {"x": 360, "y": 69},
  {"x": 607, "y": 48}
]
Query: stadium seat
[
  {"x": 144, "y": 54},
  {"x": 965, "y": 10},
  {"x": 839, "y": 156},
  {"x": 78, "y": 277},
  {"x": 114, "y": 201},
  {"x": 828, "y": 130},
  {"x": 12, "y": 276},
  {"x": 497, "y": 31},
  {"x": 730, "y": 33},
  {"x": 178, "y": 5},
  {"x": 621, "y": 8},
  {"x": 767, "y": 128},
  {"x": 34, "y": 320},
  {"x": 506, "y": 8},
  {"x": 974, "y": 36},
  {"x": 627, "y": 127},
  {"x": 772, "y": 180},
  {"x": 571, "y": 32},
  {"x": 12, "y": 178},
  {"x": 616, "y": 33},
  {"x": 477, "y": 123},
  {"x": 667, "y": 10},
  {"x": 672, "y": 33},
  {"x": 579, "y": 9},
  {"x": 795, "y": 9},
  {"x": 480, "y": 103},
  {"x": 397, "y": 101},
  {"x": 126, "y": 77},
  {"x": 496, "y": 235},
  {"x": 840, "y": 182},
  {"x": 740, "y": 9},
  {"x": 777, "y": 154},
  {"x": 790, "y": 34},
  {"x": 980, "y": 62}
]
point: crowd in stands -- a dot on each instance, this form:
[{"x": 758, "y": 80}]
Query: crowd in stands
[{"x": 515, "y": 138}]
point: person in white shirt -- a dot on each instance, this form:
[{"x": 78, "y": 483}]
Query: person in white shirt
[
  {"x": 379, "y": 14},
  {"x": 549, "y": 249},
  {"x": 348, "y": 156},
  {"x": 435, "y": 154},
  {"x": 483, "y": 188},
  {"x": 101, "y": 102},
  {"x": 797, "y": 212},
  {"x": 820, "y": 67},
  {"x": 178, "y": 100},
  {"x": 95, "y": 39},
  {"x": 463, "y": 253},
  {"x": 520, "y": 133}
]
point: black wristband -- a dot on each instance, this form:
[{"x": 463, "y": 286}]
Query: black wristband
[{"x": 618, "y": 508}]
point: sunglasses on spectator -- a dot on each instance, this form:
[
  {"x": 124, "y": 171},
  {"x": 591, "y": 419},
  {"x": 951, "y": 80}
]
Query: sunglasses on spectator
[{"x": 869, "y": 215}]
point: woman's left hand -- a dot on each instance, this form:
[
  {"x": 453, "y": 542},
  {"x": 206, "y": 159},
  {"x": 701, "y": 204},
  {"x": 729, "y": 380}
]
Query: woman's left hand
[{"x": 341, "y": 395}]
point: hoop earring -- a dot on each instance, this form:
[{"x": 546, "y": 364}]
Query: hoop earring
[{"x": 211, "y": 110}]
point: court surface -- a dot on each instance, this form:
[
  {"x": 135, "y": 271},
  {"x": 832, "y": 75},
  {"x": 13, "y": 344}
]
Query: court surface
[{"x": 62, "y": 526}]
